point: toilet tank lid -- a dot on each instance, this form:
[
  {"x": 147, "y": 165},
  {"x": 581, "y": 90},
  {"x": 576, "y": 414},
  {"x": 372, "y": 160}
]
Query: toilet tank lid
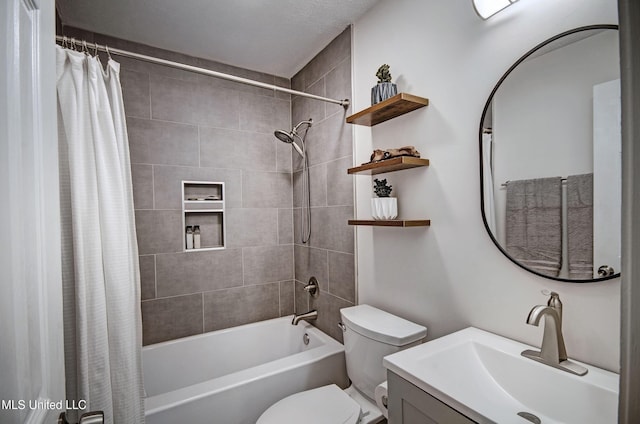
[{"x": 381, "y": 326}]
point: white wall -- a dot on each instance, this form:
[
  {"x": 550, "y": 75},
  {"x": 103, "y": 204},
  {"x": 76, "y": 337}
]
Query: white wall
[{"x": 450, "y": 275}]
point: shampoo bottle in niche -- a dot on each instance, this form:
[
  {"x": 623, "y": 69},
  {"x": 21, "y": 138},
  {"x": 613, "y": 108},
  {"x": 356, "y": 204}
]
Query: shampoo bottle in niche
[
  {"x": 196, "y": 237},
  {"x": 189, "y": 237}
]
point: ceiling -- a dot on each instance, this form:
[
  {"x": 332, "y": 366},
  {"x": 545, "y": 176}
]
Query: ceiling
[{"x": 273, "y": 36}]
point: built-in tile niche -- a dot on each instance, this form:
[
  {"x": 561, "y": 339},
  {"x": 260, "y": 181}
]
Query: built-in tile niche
[{"x": 203, "y": 205}]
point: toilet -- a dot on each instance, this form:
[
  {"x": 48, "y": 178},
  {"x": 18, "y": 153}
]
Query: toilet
[{"x": 369, "y": 335}]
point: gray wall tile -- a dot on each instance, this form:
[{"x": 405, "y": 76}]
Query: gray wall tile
[
  {"x": 285, "y": 226},
  {"x": 303, "y": 108},
  {"x": 339, "y": 183},
  {"x": 311, "y": 262},
  {"x": 168, "y": 184},
  {"x": 338, "y": 83},
  {"x": 283, "y": 82},
  {"x": 166, "y": 143},
  {"x": 135, "y": 93},
  {"x": 194, "y": 272},
  {"x": 330, "y": 229},
  {"x": 264, "y": 114},
  {"x": 267, "y": 264},
  {"x": 142, "y": 181},
  {"x": 252, "y": 227},
  {"x": 242, "y": 305},
  {"x": 317, "y": 189},
  {"x": 301, "y": 298},
  {"x": 328, "y": 307},
  {"x": 283, "y": 155},
  {"x": 159, "y": 231},
  {"x": 300, "y": 107},
  {"x": 266, "y": 190},
  {"x": 297, "y": 82},
  {"x": 197, "y": 103},
  {"x": 342, "y": 279},
  {"x": 330, "y": 139},
  {"x": 318, "y": 185},
  {"x": 287, "y": 298},
  {"x": 171, "y": 318},
  {"x": 222, "y": 148},
  {"x": 239, "y": 72},
  {"x": 147, "y": 276}
]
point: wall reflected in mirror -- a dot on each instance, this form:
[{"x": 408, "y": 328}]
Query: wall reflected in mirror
[{"x": 550, "y": 158}]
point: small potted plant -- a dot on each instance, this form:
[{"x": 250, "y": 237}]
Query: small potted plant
[
  {"x": 383, "y": 206},
  {"x": 384, "y": 88}
]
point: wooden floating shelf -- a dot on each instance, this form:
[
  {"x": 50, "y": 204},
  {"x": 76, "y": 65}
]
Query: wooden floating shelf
[
  {"x": 394, "y": 106},
  {"x": 392, "y": 222},
  {"x": 389, "y": 165}
]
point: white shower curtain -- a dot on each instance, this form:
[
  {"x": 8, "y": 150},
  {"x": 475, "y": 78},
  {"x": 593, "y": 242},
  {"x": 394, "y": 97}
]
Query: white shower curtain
[{"x": 103, "y": 331}]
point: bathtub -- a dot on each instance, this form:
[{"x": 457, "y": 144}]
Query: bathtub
[{"x": 231, "y": 376}]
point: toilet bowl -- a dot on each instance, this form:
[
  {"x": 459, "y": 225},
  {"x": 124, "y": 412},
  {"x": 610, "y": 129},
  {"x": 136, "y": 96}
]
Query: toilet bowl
[{"x": 369, "y": 335}]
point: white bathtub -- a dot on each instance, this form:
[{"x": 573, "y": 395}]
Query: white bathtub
[{"x": 231, "y": 376}]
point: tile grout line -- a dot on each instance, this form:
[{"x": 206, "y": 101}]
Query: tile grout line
[{"x": 155, "y": 277}]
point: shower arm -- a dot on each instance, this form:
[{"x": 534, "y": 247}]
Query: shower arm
[{"x": 295, "y": 129}]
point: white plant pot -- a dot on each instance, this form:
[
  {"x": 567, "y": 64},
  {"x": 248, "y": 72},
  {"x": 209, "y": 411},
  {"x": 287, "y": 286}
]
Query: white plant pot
[{"x": 384, "y": 208}]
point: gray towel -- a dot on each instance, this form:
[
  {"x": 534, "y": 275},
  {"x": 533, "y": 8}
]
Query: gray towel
[
  {"x": 580, "y": 226},
  {"x": 534, "y": 224}
]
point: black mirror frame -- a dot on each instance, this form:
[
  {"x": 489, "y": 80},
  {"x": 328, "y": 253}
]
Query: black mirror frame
[{"x": 484, "y": 114}]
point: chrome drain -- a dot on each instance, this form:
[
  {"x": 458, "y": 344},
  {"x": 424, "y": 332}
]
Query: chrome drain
[
  {"x": 530, "y": 417},
  {"x": 305, "y": 339}
]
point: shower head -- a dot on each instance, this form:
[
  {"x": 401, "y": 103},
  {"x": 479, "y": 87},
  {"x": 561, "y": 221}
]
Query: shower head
[
  {"x": 284, "y": 136},
  {"x": 288, "y": 137}
]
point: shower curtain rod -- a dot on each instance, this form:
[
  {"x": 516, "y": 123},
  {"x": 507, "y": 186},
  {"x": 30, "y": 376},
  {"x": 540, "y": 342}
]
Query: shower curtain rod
[{"x": 94, "y": 46}]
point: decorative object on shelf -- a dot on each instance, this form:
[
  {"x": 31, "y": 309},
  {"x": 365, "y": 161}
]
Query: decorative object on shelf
[
  {"x": 196, "y": 237},
  {"x": 189, "y": 237},
  {"x": 383, "y": 207},
  {"x": 379, "y": 154},
  {"x": 385, "y": 88}
]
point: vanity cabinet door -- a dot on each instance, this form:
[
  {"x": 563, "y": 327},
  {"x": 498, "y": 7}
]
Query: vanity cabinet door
[{"x": 409, "y": 404}]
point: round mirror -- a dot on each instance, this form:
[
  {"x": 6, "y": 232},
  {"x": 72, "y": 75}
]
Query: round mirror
[{"x": 550, "y": 165}]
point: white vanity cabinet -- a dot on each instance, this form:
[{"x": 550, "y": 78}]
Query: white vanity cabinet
[{"x": 408, "y": 404}]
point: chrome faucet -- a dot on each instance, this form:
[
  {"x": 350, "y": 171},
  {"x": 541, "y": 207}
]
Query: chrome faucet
[
  {"x": 307, "y": 316},
  {"x": 553, "y": 351}
]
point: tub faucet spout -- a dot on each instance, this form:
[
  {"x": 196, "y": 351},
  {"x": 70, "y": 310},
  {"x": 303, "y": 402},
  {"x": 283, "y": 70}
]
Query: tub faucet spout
[{"x": 307, "y": 316}]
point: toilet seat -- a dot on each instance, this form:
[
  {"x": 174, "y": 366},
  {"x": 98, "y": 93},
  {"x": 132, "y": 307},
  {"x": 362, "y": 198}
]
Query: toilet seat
[{"x": 324, "y": 405}]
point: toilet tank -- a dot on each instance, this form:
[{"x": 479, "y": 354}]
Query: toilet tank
[{"x": 369, "y": 335}]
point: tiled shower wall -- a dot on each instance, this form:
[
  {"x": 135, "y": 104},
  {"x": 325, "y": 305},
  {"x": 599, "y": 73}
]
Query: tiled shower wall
[
  {"x": 185, "y": 126},
  {"x": 329, "y": 255}
]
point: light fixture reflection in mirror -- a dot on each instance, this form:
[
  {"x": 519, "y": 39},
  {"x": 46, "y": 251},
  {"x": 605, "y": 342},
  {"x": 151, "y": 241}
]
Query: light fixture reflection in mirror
[
  {"x": 550, "y": 158},
  {"x": 487, "y": 8}
]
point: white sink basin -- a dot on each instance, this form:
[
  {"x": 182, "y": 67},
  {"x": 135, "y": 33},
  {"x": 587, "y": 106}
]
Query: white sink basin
[{"x": 484, "y": 377}]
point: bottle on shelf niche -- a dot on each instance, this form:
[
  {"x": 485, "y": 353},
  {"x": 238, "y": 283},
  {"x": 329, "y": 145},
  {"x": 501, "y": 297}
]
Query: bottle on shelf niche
[
  {"x": 196, "y": 237},
  {"x": 189, "y": 236}
]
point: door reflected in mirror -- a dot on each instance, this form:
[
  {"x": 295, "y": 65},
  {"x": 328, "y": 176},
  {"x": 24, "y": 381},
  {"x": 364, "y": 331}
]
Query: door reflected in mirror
[{"x": 550, "y": 146}]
